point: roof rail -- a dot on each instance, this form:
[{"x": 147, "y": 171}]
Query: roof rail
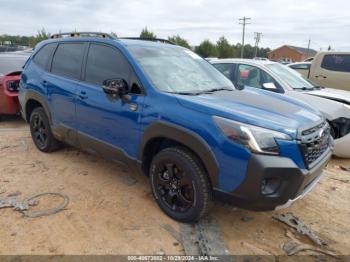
[
  {"x": 160, "y": 40},
  {"x": 83, "y": 34}
]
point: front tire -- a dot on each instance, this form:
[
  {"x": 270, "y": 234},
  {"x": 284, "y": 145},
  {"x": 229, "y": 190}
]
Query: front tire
[
  {"x": 180, "y": 185},
  {"x": 40, "y": 130}
]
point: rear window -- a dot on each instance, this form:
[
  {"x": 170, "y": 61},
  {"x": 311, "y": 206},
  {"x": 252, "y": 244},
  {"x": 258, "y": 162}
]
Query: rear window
[
  {"x": 301, "y": 66},
  {"x": 67, "y": 60},
  {"x": 43, "y": 56},
  {"x": 11, "y": 63},
  {"x": 340, "y": 63}
]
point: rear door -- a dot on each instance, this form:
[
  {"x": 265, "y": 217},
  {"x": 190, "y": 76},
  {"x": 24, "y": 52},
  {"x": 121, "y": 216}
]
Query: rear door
[
  {"x": 61, "y": 84},
  {"x": 332, "y": 70},
  {"x": 108, "y": 125}
]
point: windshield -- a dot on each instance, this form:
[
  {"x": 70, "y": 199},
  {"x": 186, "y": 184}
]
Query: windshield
[
  {"x": 178, "y": 70},
  {"x": 11, "y": 63},
  {"x": 293, "y": 78}
]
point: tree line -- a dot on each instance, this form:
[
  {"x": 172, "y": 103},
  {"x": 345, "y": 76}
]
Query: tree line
[{"x": 221, "y": 48}]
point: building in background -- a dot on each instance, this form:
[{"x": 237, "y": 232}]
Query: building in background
[{"x": 289, "y": 53}]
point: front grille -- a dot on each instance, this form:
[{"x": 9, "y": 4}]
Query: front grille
[{"x": 314, "y": 142}]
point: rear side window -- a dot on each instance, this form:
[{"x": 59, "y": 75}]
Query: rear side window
[
  {"x": 340, "y": 63},
  {"x": 44, "y": 55},
  {"x": 68, "y": 59},
  {"x": 104, "y": 63}
]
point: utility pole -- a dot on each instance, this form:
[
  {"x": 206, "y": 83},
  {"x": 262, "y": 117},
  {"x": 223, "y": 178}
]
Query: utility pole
[
  {"x": 243, "y": 21},
  {"x": 257, "y": 38},
  {"x": 308, "y": 48}
]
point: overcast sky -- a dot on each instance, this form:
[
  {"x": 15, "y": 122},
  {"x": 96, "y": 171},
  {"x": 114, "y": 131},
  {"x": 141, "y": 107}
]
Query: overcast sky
[{"x": 291, "y": 22}]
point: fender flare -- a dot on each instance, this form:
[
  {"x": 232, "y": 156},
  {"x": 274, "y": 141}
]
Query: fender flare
[
  {"x": 190, "y": 139},
  {"x": 32, "y": 95}
]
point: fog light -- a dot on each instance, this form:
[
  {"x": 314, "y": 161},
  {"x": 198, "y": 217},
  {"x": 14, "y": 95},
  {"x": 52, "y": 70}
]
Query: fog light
[{"x": 269, "y": 186}]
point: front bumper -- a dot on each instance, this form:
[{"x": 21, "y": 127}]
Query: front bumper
[
  {"x": 290, "y": 183},
  {"x": 341, "y": 146}
]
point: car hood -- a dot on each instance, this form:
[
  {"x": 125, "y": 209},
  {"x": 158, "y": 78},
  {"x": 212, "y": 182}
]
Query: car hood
[
  {"x": 255, "y": 107},
  {"x": 329, "y": 107},
  {"x": 333, "y": 94}
]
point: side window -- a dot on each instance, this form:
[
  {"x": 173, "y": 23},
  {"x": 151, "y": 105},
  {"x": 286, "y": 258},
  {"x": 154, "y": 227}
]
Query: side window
[
  {"x": 44, "y": 55},
  {"x": 68, "y": 59},
  {"x": 104, "y": 63},
  {"x": 340, "y": 63},
  {"x": 248, "y": 75},
  {"x": 225, "y": 69},
  {"x": 255, "y": 77}
]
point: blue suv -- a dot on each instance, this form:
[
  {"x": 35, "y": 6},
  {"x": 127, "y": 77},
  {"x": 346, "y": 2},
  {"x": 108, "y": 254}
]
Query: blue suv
[{"x": 169, "y": 114}]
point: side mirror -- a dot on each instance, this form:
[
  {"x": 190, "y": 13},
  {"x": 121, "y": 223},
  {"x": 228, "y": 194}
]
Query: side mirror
[
  {"x": 117, "y": 87},
  {"x": 269, "y": 86},
  {"x": 239, "y": 86}
]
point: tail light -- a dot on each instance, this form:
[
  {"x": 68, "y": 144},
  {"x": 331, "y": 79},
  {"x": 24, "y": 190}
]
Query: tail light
[{"x": 13, "y": 85}]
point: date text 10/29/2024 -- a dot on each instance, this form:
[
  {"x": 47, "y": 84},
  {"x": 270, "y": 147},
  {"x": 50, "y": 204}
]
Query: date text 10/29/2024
[{"x": 173, "y": 258}]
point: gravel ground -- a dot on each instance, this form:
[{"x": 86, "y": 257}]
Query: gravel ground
[{"x": 111, "y": 210}]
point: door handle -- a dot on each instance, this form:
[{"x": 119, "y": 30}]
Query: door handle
[
  {"x": 324, "y": 77},
  {"x": 83, "y": 95},
  {"x": 44, "y": 83}
]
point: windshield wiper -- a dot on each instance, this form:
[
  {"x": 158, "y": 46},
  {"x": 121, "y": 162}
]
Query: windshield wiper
[
  {"x": 304, "y": 88},
  {"x": 218, "y": 89},
  {"x": 196, "y": 93},
  {"x": 186, "y": 93}
]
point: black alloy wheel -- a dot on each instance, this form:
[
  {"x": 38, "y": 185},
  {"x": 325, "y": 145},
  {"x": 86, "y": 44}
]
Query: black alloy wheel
[{"x": 180, "y": 184}]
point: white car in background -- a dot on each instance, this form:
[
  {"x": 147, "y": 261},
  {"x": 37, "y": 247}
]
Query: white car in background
[{"x": 272, "y": 76}]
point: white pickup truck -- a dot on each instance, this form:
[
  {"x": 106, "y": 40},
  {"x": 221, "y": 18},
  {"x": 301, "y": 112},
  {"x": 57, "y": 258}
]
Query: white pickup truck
[{"x": 327, "y": 69}]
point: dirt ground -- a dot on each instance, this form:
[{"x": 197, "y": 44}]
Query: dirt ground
[{"x": 111, "y": 210}]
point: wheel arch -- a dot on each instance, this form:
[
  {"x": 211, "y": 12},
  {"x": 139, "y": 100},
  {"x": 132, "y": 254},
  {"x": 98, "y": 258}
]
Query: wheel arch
[
  {"x": 34, "y": 100},
  {"x": 162, "y": 132}
]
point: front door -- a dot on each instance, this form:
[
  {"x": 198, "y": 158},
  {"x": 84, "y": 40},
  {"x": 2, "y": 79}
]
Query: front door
[{"x": 108, "y": 125}]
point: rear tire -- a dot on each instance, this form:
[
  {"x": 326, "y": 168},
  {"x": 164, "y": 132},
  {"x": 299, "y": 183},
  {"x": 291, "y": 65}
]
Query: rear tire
[
  {"x": 180, "y": 184},
  {"x": 40, "y": 130}
]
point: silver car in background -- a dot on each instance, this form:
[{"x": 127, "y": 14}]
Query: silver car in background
[{"x": 271, "y": 76}]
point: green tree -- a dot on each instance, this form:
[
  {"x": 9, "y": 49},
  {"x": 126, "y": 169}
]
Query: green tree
[
  {"x": 224, "y": 49},
  {"x": 206, "y": 49},
  {"x": 179, "y": 41},
  {"x": 40, "y": 36},
  {"x": 145, "y": 34}
]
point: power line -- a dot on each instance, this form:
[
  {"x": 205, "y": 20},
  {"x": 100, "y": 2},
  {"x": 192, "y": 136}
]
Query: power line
[
  {"x": 243, "y": 21},
  {"x": 257, "y": 38}
]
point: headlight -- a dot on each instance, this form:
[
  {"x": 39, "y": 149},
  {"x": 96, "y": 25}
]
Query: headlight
[{"x": 257, "y": 139}]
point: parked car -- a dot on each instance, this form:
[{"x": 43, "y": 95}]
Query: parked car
[
  {"x": 171, "y": 115},
  {"x": 302, "y": 68},
  {"x": 10, "y": 73},
  {"x": 261, "y": 58},
  {"x": 331, "y": 69},
  {"x": 271, "y": 76}
]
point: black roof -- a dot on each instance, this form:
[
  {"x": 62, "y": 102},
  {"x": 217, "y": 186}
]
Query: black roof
[{"x": 303, "y": 50}]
